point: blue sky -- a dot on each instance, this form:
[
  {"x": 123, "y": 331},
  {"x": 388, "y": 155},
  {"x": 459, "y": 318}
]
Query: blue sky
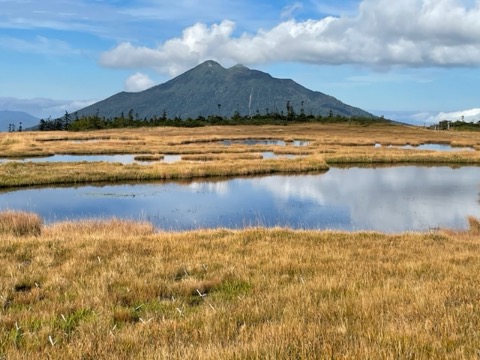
[{"x": 411, "y": 60}]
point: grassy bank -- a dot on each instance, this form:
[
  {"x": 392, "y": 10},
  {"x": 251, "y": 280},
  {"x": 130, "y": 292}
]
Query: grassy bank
[
  {"x": 27, "y": 174},
  {"x": 116, "y": 289}
]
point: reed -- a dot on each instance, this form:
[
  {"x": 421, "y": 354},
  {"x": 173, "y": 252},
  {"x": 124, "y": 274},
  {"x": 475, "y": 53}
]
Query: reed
[{"x": 115, "y": 289}]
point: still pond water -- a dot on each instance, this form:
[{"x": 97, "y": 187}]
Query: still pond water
[
  {"x": 386, "y": 199},
  {"x": 430, "y": 147},
  {"x": 123, "y": 158}
]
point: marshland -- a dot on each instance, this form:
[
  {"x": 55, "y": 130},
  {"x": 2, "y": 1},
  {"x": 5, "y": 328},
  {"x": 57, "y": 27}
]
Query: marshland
[
  {"x": 203, "y": 153},
  {"x": 125, "y": 287}
]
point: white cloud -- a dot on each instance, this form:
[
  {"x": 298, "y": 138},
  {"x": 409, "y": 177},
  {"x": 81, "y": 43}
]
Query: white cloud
[
  {"x": 138, "y": 82},
  {"x": 42, "y": 107},
  {"x": 175, "y": 55},
  {"x": 415, "y": 33},
  {"x": 470, "y": 115}
]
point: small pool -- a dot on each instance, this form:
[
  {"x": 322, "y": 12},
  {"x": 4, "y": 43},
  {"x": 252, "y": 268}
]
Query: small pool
[
  {"x": 431, "y": 147},
  {"x": 124, "y": 159}
]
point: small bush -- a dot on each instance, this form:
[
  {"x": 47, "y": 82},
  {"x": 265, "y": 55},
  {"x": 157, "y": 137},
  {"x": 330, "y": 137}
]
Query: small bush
[{"x": 20, "y": 223}]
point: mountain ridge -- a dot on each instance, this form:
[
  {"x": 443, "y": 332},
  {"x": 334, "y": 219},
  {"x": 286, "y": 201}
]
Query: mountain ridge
[
  {"x": 210, "y": 89},
  {"x": 8, "y": 117}
]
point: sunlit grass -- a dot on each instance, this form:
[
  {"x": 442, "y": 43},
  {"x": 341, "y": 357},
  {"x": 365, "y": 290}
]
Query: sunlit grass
[
  {"x": 20, "y": 223},
  {"x": 116, "y": 289},
  {"x": 30, "y": 173}
]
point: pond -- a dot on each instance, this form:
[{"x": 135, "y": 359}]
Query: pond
[
  {"x": 385, "y": 199},
  {"x": 124, "y": 159},
  {"x": 432, "y": 147}
]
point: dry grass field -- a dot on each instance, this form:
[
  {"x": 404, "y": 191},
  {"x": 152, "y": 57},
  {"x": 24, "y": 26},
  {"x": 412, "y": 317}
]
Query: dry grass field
[
  {"x": 204, "y": 154},
  {"x": 116, "y": 289}
]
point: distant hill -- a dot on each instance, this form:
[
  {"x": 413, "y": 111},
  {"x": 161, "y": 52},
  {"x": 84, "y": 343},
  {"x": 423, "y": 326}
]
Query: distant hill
[
  {"x": 210, "y": 89},
  {"x": 8, "y": 117}
]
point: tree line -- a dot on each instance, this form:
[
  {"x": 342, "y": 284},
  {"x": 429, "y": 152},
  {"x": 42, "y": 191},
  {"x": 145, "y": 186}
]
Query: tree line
[{"x": 131, "y": 120}]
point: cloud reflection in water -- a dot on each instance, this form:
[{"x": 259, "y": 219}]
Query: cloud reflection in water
[{"x": 385, "y": 199}]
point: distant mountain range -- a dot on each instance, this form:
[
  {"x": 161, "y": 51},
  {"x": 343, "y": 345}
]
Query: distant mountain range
[
  {"x": 8, "y": 117},
  {"x": 210, "y": 89}
]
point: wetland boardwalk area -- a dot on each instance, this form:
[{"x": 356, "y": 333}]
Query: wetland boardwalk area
[{"x": 120, "y": 288}]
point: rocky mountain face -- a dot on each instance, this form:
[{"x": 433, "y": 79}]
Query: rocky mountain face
[{"x": 210, "y": 89}]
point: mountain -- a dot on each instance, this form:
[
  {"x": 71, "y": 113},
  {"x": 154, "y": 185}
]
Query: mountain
[
  {"x": 210, "y": 89},
  {"x": 8, "y": 117}
]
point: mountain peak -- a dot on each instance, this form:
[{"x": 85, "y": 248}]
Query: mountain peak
[
  {"x": 210, "y": 64},
  {"x": 199, "y": 91}
]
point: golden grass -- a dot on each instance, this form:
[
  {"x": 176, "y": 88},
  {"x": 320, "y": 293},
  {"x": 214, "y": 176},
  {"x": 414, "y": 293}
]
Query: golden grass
[
  {"x": 115, "y": 289},
  {"x": 20, "y": 223},
  {"x": 204, "y": 155},
  {"x": 29, "y": 173}
]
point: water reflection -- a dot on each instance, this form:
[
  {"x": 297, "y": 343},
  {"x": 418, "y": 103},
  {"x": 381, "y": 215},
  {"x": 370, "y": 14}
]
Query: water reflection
[
  {"x": 432, "y": 147},
  {"x": 385, "y": 199}
]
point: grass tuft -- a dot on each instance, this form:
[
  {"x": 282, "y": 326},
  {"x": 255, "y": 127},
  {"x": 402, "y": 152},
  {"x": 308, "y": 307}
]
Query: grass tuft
[
  {"x": 20, "y": 223},
  {"x": 474, "y": 225}
]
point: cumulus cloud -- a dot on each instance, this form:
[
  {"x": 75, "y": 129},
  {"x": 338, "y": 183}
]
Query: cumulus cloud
[
  {"x": 415, "y": 33},
  {"x": 138, "y": 82}
]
